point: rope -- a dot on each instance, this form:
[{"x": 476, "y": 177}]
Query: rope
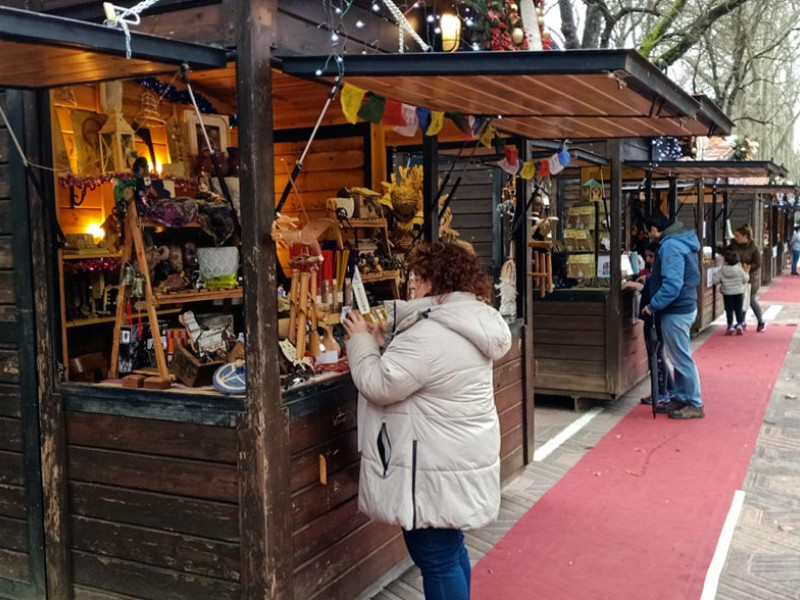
[
  {"x": 119, "y": 16},
  {"x": 404, "y": 24},
  {"x": 27, "y": 163}
]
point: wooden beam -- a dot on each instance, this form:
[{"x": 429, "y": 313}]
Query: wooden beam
[
  {"x": 264, "y": 494},
  {"x": 614, "y": 362}
]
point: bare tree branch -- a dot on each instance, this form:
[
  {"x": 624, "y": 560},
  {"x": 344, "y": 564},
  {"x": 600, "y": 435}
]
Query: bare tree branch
[{"x": 568, "y": 26}]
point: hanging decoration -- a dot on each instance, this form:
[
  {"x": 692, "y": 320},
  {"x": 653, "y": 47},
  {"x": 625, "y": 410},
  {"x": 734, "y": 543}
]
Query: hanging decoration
[
  {"x": 744, "y": 148},
  {"x": 92, "y": 265},
  {"x": 666, "y": 148},
  {"x": 507, "y": 25},
  {"x": 173, "y": 95},
  {"x": 554, "y": 164},
  {"x": 93, "y": 181}
]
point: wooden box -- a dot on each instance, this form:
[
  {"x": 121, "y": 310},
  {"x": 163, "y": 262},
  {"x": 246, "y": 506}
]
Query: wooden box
[{"x": 190, "y": 371}]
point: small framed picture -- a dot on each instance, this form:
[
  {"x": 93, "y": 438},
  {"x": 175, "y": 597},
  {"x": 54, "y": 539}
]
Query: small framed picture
[{"x": 217, "y": 127}]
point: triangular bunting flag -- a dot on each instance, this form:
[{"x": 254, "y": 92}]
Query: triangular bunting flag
[
  {"x": 372, "y": 109},
  {"x": 543, "y": 170},
  {"x": 564, "y": 158},
  {"x": 411, "y": 119},
  {"x": 461, "y": 122},
  {"x": 486, "y": 133},
  {"x": 351, "y": 100}
]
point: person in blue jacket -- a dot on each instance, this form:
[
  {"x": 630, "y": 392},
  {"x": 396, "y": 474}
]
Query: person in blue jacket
[{"x": 674, "y": 281}]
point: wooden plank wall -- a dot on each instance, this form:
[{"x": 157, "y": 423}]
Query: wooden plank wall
[
  {"x": 569, "y": 348},
  {"x": 473, "y": 209},
  {"x": 154, "y": 509},
  {"x": 14, "y": 539},
  {"x": 633, "y": 362},
  {"x": 339, "y": 552}
]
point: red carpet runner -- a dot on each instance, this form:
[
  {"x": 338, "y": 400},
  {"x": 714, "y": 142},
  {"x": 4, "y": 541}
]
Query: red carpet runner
[
  {"x": 785, "y": 289},
  {"x": 639, "y": 516}
]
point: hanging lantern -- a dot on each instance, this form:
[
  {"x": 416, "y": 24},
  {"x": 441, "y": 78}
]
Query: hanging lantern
[
  {"x": 450, "y": 25},
  {"x": 117, "y": 147}
]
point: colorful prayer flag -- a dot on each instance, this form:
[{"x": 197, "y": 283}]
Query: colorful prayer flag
[
  {"x": 486, "y": 133},
  {"x": 424, "y": 118},
  {"x": 393, "y": 113},
  {"x": 437, "y": 122},
  {"x": 351, "y": 99},
  {"x": 528, "y": 170},
  {"x": 411, "y": 120},
  {"x": 372, "y": 109}
]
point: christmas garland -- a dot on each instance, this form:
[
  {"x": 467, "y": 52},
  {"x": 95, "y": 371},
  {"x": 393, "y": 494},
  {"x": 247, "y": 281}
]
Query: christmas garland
[
  {"x": 93, "y": 181},
  {"x": 176, "y": 96},
  {"x": 92, "y": 265}
]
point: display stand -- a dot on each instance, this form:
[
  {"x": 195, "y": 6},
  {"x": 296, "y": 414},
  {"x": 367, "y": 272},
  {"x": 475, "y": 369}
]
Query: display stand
[{"x": 133, "y": 237}]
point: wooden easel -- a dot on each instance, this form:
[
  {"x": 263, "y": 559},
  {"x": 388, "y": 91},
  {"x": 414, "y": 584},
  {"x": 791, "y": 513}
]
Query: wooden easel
[
  {"x": 133, "y": 236},
  {"x": 542, "y": 257}
]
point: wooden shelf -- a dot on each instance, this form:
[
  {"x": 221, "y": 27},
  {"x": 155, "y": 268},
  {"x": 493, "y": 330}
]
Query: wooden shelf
[
  {"x": 197, "y": 296},
  {"x": 365, "y": 224},
  {"x": 101, "y": 320},
  {"x": 380, "y": 276},
  {"x": 89, "y": 255}
]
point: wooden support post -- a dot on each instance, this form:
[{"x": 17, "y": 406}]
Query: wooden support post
[
  {"x": 725, "y": 209},
  {"x": 430, "y": 186},
  {"x": 649, "y": 203},
  {"x": 672, "y": 198},
  {"x": 41, "y": 412},
  {"x": 714, "y": 223},
  {"x": 614, "y": 362},
  {"x": 525, "y": 308},
  {"x": 264, "y": 484}
]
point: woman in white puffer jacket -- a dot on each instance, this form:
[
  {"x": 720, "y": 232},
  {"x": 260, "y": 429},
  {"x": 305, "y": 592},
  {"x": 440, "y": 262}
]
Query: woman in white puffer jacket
[{"x": 428, "y": 428}]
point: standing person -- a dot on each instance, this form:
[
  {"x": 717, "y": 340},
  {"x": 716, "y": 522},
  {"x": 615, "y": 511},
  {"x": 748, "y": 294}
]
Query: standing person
[
  {"x": 676, "y": 275},
  {"x": 666, "y": 385},
  {"x": 794, "y": 244},
  {"x": 733, "y": 279},
  {"x": 750, "y": 257},
  {"x": 429, "y": 433}
]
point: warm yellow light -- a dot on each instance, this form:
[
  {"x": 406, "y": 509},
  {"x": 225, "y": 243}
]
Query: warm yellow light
[
  {"x": 451, "y": 31},
  {"x": 159, "y": 166},
  {"x": 97, "y": 231}
]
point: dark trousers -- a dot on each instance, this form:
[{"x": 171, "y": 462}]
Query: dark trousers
[
  {"x": 666, "y": 384},
  {"x": 442, "y": 557},
  {"x": 733, "y": 305}
]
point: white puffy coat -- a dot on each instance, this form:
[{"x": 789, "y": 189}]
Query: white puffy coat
[{"x": 428, "y": 427}]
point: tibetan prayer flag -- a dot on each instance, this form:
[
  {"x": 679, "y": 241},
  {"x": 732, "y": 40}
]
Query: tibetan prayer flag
[
  {"x": 437, "y": 122},
  {"x": 564, "y": 158},
  {"x": 351, "y": 100},
  {"x": 499, "y": 142},
  {"x": 528, "y": 170},
  {"x": 423, "y": 118},
  {"x": 477, "y": 124},
  {"x": 411, "y": 120},
  {"x": 486, "y": 133},
  {"x": 510, "y": 161},
  {"x": 543, "y": 170},
  {"x": 393, "y": 114},
  {"x": 372, "y": 109},
  {"x": 461, "y": 122},
  {"x": 555, "y": 165}
]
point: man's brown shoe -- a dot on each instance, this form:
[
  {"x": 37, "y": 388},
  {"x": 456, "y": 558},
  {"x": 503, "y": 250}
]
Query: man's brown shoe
[
  {"x": 667, "y": 407},
  {"x": 688, "y": 411}
]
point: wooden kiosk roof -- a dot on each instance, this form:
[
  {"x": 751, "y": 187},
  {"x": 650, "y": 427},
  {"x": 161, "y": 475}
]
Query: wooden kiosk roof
[
  {"x": 576, "y": 94},
  {"x": 41, "y": 51},
  {"x": 710, "y": 169}
]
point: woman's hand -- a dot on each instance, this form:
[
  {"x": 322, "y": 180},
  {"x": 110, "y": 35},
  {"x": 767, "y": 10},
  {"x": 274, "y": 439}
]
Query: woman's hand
[
  {"x": 378, "y": 331},
  {"x": 355, "y": 323}
]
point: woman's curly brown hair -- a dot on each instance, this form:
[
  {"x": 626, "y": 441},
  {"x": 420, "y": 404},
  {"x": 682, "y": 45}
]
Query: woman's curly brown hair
[{"x": 450, "y": 268}]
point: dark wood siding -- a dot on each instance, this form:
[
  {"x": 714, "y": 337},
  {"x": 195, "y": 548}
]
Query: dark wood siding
[
  {"x": 473, "y": 209},
  {"x": 633, "y": 359},
  {"x": 154, "y": 508},
  {"x": 14, "y": 539},
  {"x": 569, "y": 347}
]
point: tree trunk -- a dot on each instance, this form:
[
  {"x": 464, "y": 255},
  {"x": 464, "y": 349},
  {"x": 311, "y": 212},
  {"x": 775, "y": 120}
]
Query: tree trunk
[{"x": 568, "y": 26}]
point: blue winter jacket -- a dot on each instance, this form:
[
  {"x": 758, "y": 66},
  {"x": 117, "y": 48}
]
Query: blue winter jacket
[{"x": 676, "y": 272}]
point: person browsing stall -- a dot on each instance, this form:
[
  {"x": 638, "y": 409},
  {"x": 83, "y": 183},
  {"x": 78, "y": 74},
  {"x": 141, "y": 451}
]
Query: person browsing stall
[
  {"x": 676, "y": 275},
  {"x": 794, "y": 244},
  {"x": 430, "y": 434},
  {"x": 734, "y": 280},
  {"x": 750, "y": 257}
]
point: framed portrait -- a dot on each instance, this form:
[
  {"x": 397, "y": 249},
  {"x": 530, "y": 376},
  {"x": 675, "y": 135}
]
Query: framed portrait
[{"x": 217, "y": 127}]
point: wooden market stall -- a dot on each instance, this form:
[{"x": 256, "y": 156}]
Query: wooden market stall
[
  {"x": 704, "y": 183},
  {"x": 109, "y": 492}
]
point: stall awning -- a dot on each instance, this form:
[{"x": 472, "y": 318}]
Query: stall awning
[
  {"x": 41, "y": 51},
  {"x": 710, "y": 169},
  {"x": 789, "y": 190},
  {"x": 576, "y": 94}
]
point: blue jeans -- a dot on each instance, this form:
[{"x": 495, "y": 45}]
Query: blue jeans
[
  {"x": 442, "y": 557},
  {"x": 795, "y": 258},
  {"x": 676, "y": 330}
]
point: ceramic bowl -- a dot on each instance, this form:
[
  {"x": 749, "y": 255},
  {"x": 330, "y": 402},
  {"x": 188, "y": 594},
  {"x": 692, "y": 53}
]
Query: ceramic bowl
[{"x": 218, "y": 262}]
